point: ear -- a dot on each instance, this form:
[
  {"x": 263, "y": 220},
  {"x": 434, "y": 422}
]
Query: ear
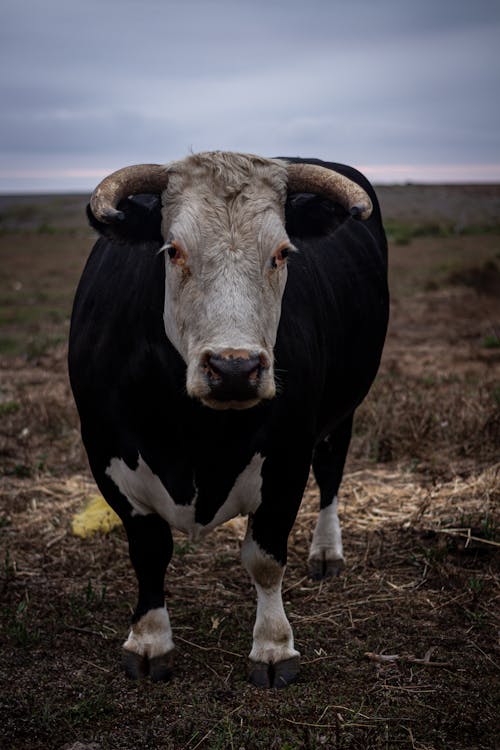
[
  {"x": 142, "y": 220},
  {"x": 308, "y": 215}
]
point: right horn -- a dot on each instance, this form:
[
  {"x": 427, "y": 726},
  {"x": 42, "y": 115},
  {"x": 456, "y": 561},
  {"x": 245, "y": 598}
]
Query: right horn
[
  {"x": 311, "y": 178},
  {"x": 141, "y": 178}
]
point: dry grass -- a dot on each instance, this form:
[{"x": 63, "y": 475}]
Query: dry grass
[
  {"x": 410, "y": 418},
  {"x": 400, "y": 651},
  {"x": 389, "y": 651}
]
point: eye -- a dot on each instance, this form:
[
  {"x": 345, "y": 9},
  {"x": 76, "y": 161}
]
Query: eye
[
  {"x": 176, "y": 253},
  {"x": 278, "y": 258}
]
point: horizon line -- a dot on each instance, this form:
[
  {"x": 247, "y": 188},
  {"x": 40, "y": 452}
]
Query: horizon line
[{"x": 77, "y": 180}]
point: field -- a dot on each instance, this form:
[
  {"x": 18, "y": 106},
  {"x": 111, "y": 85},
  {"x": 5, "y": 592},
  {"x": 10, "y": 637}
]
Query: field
[{"x": 400, "y": 651}]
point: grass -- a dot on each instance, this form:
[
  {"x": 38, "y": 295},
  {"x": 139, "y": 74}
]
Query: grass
[
  {"x": 35, "y": 303},
  {"x": 42, "y": 214},
  {"x": 491, "y": 341},
  {"x": 383, "y": 604},
  {"x": 445, "y": 263},
  {"x": 9, "y": 345},
  {"x": 407, "y": 415},
  {"x": 19, "y": 627},
  {"x": 9, "y": 407},
  {"x": 403, "y": 233},
  {"x": 32, "y": 315},
  {"x": 419, "y": 511}
]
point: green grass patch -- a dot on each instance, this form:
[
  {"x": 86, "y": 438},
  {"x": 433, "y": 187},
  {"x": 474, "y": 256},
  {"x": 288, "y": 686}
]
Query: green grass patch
[
  {"x": 45, "y": 228},
  {"x": 89, "y": 708},
  {"x": 30, "y": 347},
  {"x": 402, "y": 233},
  {"x": 29, "y": 314},
  {"x": 20, "y": 213},
  {"x": 20, "y": 627},
  {"x": 491, "y": 341},
  {"x": 183, "y": 548},
  {"x": 9, "y": 407},
  {"x": 9, "y": 345}
]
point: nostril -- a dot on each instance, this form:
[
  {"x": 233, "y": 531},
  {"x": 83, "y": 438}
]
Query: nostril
[
  {"x": 210, "y": 368},
  {"x": 236, "y": 375},
  {"x": 254, "y": 374},
  {"x": 264, "y": 361},
  {"x": 218, "y": 367}
]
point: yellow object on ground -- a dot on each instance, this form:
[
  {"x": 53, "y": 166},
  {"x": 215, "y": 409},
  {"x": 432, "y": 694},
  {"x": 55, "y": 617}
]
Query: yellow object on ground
[{"x": 96, "y": 516}]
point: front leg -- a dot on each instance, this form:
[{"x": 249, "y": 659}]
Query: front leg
[
  {"x": 149, "y": 648},
  {"x": 274, "y": 662}
]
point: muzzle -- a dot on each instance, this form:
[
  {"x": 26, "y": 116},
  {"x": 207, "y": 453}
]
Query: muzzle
[{"x": 234, "y": 378}]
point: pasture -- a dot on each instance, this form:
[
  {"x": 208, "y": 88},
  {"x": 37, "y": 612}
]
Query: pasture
[{"x": 400, "y": 651}]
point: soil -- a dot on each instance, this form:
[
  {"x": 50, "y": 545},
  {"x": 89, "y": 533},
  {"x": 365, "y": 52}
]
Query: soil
[{"x": 399, "y": 651}]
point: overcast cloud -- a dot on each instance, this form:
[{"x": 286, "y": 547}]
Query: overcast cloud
[{"x": 404, "y": 90}]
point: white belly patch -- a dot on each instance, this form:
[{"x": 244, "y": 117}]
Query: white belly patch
[{"x": 147, "y": 494}]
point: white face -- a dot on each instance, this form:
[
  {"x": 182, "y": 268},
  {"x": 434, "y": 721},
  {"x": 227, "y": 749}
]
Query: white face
[{"x": 225, "y": 269}]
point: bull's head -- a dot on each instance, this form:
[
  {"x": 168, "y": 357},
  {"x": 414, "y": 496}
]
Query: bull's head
[{"x": 225, "y": 260}]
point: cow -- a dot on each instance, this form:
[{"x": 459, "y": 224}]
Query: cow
[{"x": 228, "y": 322}]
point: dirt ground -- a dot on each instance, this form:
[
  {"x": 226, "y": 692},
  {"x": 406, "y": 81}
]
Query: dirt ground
[{"x": 401, "y": 651}]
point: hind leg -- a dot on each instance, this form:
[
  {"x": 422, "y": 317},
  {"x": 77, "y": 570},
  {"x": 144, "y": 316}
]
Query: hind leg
[{"x": 326, "y": 555}]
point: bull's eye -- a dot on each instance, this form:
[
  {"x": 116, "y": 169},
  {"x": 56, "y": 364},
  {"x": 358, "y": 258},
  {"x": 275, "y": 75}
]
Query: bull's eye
[
  {"x": 176, "y": 254},
  {"x": 278, "y": 258}
]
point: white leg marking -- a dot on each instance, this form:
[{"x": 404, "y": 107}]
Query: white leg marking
[
  {"x": 151, "y": 635},
  {"x": 272, "y": 633},
  {"x": 327, "y": 538}
]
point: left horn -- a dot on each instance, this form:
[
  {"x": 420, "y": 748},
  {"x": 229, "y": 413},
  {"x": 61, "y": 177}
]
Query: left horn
[
  {"x": 141, "y": 178},
  {"x": 311, "y": 178}
]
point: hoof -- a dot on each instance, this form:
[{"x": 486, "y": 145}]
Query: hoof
[
  {"x": 159, "y": 668},
  {"x": 259, "y": 674},
  {"x": 278, "y": 675},
  {"x": 320, "y": 569},
  {"x": 135, "y": 665}
]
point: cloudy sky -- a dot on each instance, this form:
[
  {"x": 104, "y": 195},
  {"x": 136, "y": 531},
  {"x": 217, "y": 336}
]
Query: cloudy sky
[{"x": 403, "y": 89}]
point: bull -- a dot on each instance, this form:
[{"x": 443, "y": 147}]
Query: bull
[{"x": 228, "y": 322}]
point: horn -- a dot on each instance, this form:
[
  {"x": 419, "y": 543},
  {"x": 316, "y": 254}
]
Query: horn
[
  {"x": 141, "y": 178},
  {"x": 311, "y": 178}
]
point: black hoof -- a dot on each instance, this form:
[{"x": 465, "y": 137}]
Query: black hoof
[
  {"x": 159, "y": 668},
  {"x": 278, "y": 675},
  {"x": 259, "y": 674},
  {"x": 286, "y": 672},
  {"x": 320, "y": 569},
  {"x": 136, "y": 666}
]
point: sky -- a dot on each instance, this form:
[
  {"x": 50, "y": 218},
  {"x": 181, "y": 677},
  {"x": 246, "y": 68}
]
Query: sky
[{"x": 405, "y": 90}]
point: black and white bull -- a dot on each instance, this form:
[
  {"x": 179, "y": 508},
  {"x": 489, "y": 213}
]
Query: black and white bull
[{"x": 227, "y": 324}]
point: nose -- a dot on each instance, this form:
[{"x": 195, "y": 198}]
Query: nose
[{"x": 233, "y": 376}]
